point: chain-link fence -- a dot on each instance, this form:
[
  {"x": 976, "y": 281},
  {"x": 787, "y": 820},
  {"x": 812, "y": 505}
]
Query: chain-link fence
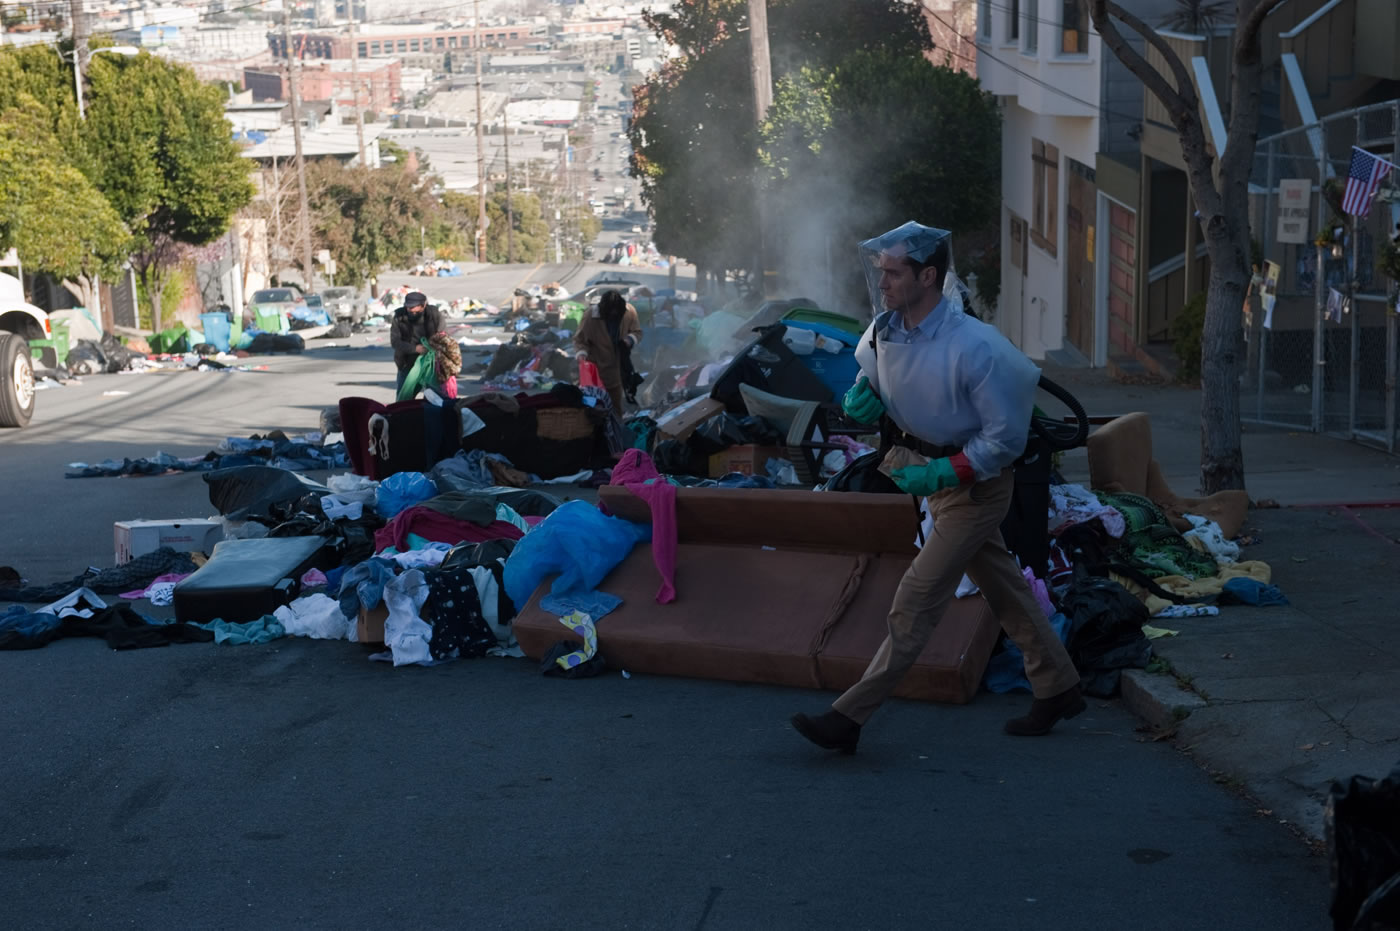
[{"x": 1321, "y": 319}]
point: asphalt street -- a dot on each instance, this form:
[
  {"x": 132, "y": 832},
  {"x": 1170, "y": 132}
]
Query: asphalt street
[{"x": 300, "y": 785}]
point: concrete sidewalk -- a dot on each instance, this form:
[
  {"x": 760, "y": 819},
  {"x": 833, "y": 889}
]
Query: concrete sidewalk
[{"x": 1278, "y": 701}]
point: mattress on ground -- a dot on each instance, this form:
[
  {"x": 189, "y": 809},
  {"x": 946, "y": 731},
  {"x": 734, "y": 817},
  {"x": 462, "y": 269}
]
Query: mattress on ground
[
  {"x": 246, "y": 579},
  {"x": 782, "y": 617}
]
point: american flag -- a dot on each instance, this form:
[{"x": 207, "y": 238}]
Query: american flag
[{"x": 1366, "y": 174}]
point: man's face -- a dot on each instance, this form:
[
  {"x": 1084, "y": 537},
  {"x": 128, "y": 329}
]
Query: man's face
[{"x": 900, "y": 286}]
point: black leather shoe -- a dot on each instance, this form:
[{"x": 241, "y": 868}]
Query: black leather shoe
[
  {"x": 830, "y": 731},
  {"x": 1046, "y": 712}
]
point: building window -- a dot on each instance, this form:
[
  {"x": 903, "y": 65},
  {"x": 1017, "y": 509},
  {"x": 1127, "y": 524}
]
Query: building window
[
  {"x": 403, "y": 45},
  {"x": 451, "y": 41},
  {"x": 1074, "y": 28},
  {"x": 984, "y": 18},
  {"x": 361, "y": 49},
  {"x": 413, "y": 45},
  {"x": 1032, "y": 30},
  {"x": 1045, "y": 194},
  {"x": 515, "y": 35},
  {"x": 1013, "y": 21},
  {"x": 441, "y": 42},
  {"x": 374, "y": 48}
]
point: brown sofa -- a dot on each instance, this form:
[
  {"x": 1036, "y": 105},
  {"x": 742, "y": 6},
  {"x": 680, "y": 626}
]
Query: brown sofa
[{"x": 779, "y": 587}]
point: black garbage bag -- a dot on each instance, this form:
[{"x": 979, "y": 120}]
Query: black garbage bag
[
  {"x": 508, "y": 357},
  {"x": 276, "y": 342},
  {"x": 864, "y": 475},
  {"x": 1362, "y": 822},
  {"x": 339, "y": 330},
  {"x": 717, "y": 434},
  {"x": 255, "y": 491},
  {"x": 86, "y": 358},
  {"x": 677, "y": 457},
  {"x": 118, "y": 357},
  {"x": 1105, "y": 635},
  {"x": 760, "y": 431}
]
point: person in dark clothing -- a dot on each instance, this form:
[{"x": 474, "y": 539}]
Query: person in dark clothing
[
  {"x": 414, "y": 322},
  {"x": 607, "y": 332}
]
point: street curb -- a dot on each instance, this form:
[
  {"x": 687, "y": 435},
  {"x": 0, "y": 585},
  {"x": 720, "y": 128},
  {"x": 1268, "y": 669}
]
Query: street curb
[{"x": 1158, "y": 699}]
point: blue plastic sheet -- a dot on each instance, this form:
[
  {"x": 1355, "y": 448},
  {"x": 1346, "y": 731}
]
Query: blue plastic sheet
[
  {"x": 401, "y": 491},
  {"x": 577, "y": 541}
]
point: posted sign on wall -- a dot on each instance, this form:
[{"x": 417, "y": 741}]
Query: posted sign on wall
[{"x": 1294, "y": 208}]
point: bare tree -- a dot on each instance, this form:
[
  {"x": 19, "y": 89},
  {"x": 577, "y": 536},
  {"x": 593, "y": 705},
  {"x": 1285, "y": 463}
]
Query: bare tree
[{"x": 1222, "y": 203}]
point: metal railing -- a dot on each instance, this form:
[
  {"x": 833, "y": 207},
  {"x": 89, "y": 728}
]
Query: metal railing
[{"x": 1311, "y": 368}]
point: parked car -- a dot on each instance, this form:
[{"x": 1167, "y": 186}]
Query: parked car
[
  {"x": 271, "y": 301},
  {"x": 343, "y": 304},
  {"x": 20, "y": 321}
]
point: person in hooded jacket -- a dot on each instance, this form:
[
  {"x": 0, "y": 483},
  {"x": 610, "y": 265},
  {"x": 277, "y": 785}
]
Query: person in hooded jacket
[
  {"x": 414, "y": 322},
  {"x": 958, "y": 397},
  {"x": 604, "y": 331}
]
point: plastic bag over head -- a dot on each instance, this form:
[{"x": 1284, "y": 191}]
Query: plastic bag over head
[{"x": 902, "y": 266}]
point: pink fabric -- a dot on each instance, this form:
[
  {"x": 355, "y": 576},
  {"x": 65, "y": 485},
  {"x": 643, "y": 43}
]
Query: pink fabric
[
  {"x": 449, "y": 386},
  {"x": 438, "y": 527},
  {"x": 532, "y": 519},
  {"x": 633, "y": 471},
  {"x": 141, "y": 593}
]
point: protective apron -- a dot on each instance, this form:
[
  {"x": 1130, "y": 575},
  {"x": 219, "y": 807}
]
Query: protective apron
[{"x": 965, "y": 385}]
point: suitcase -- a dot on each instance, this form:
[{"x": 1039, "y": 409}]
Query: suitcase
[{"x": 246, "y": 579}]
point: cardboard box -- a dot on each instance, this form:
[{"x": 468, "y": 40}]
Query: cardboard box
[
  {"x": 748, "y": 460},
  {"x": 134, "y": 538},
  {"x": 680, "y": 422},
  {"x": 370, "y": 627}
]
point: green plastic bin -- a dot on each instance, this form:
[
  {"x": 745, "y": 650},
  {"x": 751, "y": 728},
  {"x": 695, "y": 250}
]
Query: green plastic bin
[
  {"x": 826, "y": 318},
  {"x": 52, "y": 352}
]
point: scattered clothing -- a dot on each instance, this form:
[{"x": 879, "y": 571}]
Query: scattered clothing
[
  {"x": 637, "y": 473},
  {"x": 316, "y": 616},
  {"x": 582, "y": 625},
  {"x": 140, "y": 571},
  {"x": 314, "y": 578},
  {"x": 1157, "y": 633},
  {"x": 1205, "y": 534},
  {"x": 1075, "y": 504},
  {"x": 406, "y": 634},
  {"x": 161, "y": 592},
  {"x": 595, "y": 604},
  {"x": 119, "y": 625},
  {"x": 1253, "y": 592},
  {"x": 264, "y": 630},
  {"x": 454, "y": 610},
  {"x": 1188, "y": 611},
  {"x": 435, "y": 526}
]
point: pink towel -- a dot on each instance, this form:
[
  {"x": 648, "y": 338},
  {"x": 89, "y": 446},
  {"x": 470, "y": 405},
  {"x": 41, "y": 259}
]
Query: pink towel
[{"x": 633, "y": 471}]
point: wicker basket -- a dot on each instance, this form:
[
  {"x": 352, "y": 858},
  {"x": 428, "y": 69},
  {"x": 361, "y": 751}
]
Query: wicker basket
[{"x": 563, "y": 423}]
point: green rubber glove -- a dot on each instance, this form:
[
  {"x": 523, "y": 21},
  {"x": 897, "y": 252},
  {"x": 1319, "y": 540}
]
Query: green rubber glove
[
  {"x": 933, "y": 476},
  {"x": 862, "y": 404}
]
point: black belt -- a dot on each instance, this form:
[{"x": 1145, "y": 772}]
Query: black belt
[{"x": 923, "y": 448}]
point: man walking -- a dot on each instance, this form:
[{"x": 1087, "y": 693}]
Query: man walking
[{"x": 960, "y": 396}]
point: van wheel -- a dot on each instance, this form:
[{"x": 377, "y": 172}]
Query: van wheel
[{"x": 16, "y": 381}]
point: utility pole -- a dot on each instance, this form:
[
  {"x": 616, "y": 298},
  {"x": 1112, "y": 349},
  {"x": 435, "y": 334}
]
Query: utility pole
[
  {"x": 510, "y": 216},
  {"x": 294, "y": 80},
  {"x": 355, "y": 84},
  {"x": 761, "y": 67},
  {"x": 481, "y": 220},
  {"x": 80, "y": 51}
]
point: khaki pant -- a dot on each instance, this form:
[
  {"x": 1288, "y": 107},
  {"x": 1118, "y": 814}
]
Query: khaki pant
[{"x": 965, "y": 539}]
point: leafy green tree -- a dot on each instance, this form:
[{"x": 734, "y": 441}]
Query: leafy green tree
[
  {"x": 49, "y": 211},
  {"x": 162, "y": 152},
  {"x": 533, "y": 237},
  {"x": 693, "y": 135},
  {"x": 370, "y": 220},
  {"x": 878, "y": 140}
]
